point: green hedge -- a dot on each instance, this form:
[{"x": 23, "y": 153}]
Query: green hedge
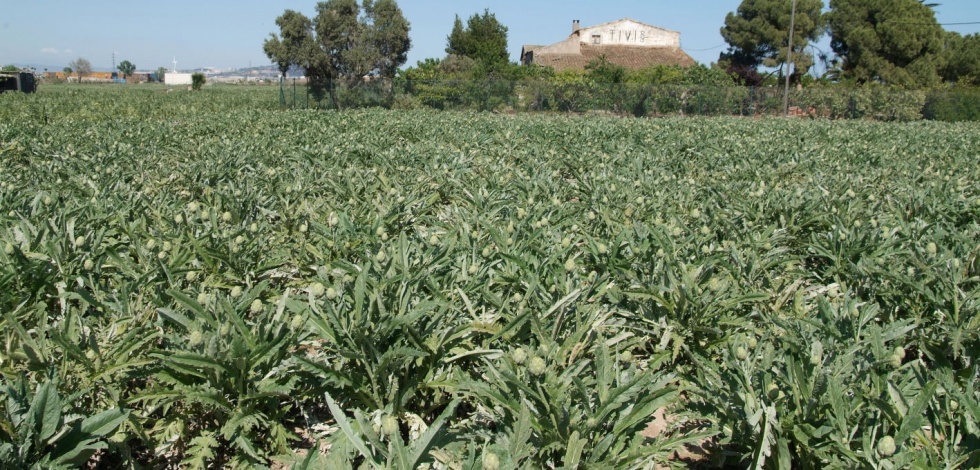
[
  {"x": 953, "y": 105},
  {"x": 580, "y": 95}
]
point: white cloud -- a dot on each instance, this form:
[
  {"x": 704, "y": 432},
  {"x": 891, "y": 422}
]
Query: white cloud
[{"x": 69, "y": 51}]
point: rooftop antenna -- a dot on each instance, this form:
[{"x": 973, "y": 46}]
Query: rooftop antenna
[{"x": 175, "y": 64}]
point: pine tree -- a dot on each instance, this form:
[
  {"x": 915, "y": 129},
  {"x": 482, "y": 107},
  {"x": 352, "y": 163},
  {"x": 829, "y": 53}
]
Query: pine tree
[
  {"x": 457, "y": 38},
  {"x": 895, "y": 42},
  {"x": 484, "y": 39},
  {"x": 758, "y": 35}
]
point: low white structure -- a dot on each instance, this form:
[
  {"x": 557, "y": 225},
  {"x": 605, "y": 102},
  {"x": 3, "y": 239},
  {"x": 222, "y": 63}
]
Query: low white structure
[
  {"x": 176, "y": 78},
  {"x": 626, "y": 42},
  {"x": 628, "y": 32}
]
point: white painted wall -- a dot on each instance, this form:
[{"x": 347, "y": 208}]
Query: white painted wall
[
  {"x": 630, "y": 33},
  {"x": 625, "y": 32},
  {"x": 173, "y": 78}
]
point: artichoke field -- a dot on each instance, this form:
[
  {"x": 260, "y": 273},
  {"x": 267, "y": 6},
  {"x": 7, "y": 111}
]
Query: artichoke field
[{"x": 197, "y": 280}]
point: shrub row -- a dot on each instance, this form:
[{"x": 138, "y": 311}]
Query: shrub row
[{"x": 648, "y": 100}]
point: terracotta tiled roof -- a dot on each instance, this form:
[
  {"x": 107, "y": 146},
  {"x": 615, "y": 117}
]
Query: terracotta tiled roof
[{"x": 629, "y": 57}]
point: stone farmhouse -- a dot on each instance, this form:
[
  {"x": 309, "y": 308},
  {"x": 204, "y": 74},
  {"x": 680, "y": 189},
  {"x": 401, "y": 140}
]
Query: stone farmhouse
[{"x": 626, "y": 42}]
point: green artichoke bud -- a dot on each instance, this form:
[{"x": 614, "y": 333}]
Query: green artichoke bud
[
  {"x": 519, "y": 355},
  {"x": 816, "y": 353},
  {"x": 899, "y": 352},
  {"x": 886, "y": 446},
  {"x": 491, "y": 461},
  {"x": 317, "y": 289},
  {"x": 389, "y": 425},
  {"x": 537, "y": 366},
  {"x": 741, "y": 353},
  {"x": 196, "y": 338}
]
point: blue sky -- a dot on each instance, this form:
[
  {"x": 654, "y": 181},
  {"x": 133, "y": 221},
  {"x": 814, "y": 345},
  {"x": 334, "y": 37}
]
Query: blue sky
[{"x": 229, "y": 34}]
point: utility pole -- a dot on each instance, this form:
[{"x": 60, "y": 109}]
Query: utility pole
[{"x": 789, "y": 58}]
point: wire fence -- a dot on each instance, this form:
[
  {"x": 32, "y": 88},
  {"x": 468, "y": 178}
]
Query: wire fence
[{"x": 627, "y": 99}]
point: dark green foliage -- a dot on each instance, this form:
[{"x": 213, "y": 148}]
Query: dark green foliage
[
  {"x": 339, "y": 35},
  {"x": 676, "y": 75},
  {"x": 484, "y": 39},
  {"x": 456, "y": 42},
  {"x": 294, "y": 45},
  {"x": 342, "y": 45},
  {"x": 603, "y": 71},
  {"x": 226, "y": 362},
  {"x": 461, "y": 82},
  {"x": 961, "y": 62},
  {"x": 758, "y": 35},
  {"x": 126, "y": 68},
  {"x": 893, "y": 42},
  {"x": 453, "y": 83},
  {"x": 474, "y": 290},
  {"x": 388, "y": 35},
  {"x": 39, "y": 430},
  {"x": 953, "y": 105},
  {"x": 197, "y": 81}
]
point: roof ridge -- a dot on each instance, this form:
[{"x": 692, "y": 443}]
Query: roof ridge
[{"x": 629, "y": 19}]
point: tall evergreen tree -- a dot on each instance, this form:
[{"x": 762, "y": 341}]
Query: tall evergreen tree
[
  {"x": 277, "y": 53},
  {"x": 388, "y": 31},
  {"x": 339, "y": 32},
  {"x": 895, "y": 42},
  {"x": 961, "y": 63},
  {"x": 294, "y": 45},
  {"x": 484, "y": 39},
  {"x": 758, "y": 35},
  {"x": 455, "y": 43}
]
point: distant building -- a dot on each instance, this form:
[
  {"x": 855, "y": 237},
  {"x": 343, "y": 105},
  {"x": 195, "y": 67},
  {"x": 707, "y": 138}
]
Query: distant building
[
  {"x": 95, "y": 77},
  {"x": 626, "y": 42},
  {"x": 102, "y": 77},
  {"x": 18, "y": 81},
  {"x": 142, "y": 77},
  {"x": 177, "y": 78}
]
